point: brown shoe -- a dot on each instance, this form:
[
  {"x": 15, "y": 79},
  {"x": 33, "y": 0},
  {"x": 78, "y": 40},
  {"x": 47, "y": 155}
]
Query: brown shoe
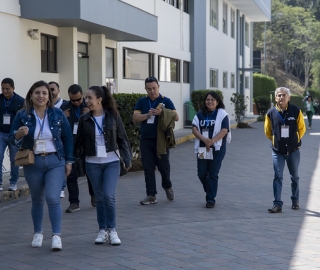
[
  {"x": 275, "y": 209},
  {"x": 169, "y": 193}
]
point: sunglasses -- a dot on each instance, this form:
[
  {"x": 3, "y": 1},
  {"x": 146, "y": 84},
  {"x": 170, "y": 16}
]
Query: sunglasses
[
  {"x": 76, "y": 100},
  {"x": 151, "y": 79}
]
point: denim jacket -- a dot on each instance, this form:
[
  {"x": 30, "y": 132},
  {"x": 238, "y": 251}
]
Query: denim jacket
[{"x": 59, "y": 126}]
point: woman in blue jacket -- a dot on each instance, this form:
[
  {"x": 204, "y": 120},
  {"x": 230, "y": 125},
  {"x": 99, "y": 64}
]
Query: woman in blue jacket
[{"x": 46, "y": 130}]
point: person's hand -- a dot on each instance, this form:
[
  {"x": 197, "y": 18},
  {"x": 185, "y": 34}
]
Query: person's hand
[
  {"x": 157, "y": 111},
  {"x": 67, "y": 113},
  {"x": 85, "y": 110},
  {"x": 22, "y": 131},
  {"x": 68, "y": 169}
]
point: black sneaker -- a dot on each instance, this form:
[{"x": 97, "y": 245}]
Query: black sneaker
[
  {"x": 73, "y": 208},
  {"x": 295, "y": 206},
  {"x": 93, "y": 201},
  {"x": 169, "y": 193},
  {"x": 210, "y": 204},
  {"x": 275, "y": 209}
]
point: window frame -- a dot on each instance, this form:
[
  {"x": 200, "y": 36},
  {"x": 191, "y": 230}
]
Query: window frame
[
  {"x": 233, "y": 23},
  {"x": 232, "y": 80},
  {"x": 225, "y": 18},
  {"x": 246, "y": 82},
  {"x": 214, "y": 23},
  {"x": 225, "y": 79},
  {"x": 246, "y": 33},
  {"x": 186, "y": 74},
  {"x": 48, "y": 58},
  {"x": 113, "y": 68},
  {"x": 178, "y": 79},
  {"x": 150, "y": 64},
  {"x": 212, "y": 70}
]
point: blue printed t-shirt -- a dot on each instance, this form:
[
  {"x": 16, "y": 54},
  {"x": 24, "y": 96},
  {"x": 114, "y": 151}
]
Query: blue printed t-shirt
[
  {"x": 149, "y": 131},
  {"x": 207, "y": 121}
]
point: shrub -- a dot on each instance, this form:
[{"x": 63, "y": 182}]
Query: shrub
[
  {"x": 197, "y": 97},
  {"x": 240, "y": 108},
  {"x": 263, "y": 85},
  {"x": 262, "y": 104},
  {"x": 125, "y": 105}
]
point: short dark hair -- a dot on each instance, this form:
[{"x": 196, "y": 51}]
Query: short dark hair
[
  {"x": 216, "y": 97},
  {"x": 74, "y": 89},
  {"x": 150, "y": 79},
  {"x": 8, "y": 81},
  {"x": 54, "y": 83}
]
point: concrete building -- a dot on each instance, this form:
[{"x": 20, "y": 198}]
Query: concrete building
[{"x": 187, "y": 44}]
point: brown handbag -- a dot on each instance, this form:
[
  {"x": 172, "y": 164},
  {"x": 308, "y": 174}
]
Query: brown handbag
[{"x": 24, "y": 157}]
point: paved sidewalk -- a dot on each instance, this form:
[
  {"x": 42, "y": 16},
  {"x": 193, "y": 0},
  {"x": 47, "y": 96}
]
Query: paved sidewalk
[{"x": 238, "y": 233}]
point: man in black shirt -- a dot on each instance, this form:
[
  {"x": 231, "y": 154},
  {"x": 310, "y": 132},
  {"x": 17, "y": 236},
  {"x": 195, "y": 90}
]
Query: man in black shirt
[{"x": 73, "y": 109}]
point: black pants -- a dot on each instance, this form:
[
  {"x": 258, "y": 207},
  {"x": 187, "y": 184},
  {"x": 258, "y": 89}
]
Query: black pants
[
  {"x": 73, "y": 187},
  {"x": 150, "y": 160}
]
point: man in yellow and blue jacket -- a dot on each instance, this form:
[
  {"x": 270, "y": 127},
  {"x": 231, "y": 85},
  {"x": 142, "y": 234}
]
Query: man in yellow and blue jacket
[{"x": 284, "y": 126}]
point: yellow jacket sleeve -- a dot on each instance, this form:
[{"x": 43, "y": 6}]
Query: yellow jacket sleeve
[
  {"x": 301, "y": 125},
  {"x": 267, "y": 127}
]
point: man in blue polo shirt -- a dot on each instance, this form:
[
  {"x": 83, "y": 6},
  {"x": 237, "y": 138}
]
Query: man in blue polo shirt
[
  {"x": 147, "y": 111},
  {"x": 10, "y": 104}
]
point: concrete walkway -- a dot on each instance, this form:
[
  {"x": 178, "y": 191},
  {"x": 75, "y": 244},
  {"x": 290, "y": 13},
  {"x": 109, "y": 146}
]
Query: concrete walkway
[{"x": 238, "y": 233}]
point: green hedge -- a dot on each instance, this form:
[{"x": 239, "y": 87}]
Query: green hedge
[
  {"x": 262, "y": 104},
  {"x": 125, "y": 105},
  {"x": 197, "y": 97},
  {"x": 263, "y": 85}
]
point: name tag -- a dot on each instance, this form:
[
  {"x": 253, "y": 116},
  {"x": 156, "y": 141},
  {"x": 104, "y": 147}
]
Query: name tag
[
  {"x": 40, "y": 146},
  {"x": 101, "y": 151},
  {"x": 75, "y": 128},
  {"x": 284, "y": 131},
  {"x": 205, "y": 133},
  {"x": 151, "y": 120},
  {"x": 6, "y": 119}
]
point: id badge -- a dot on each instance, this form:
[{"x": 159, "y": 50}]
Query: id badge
[
  {"x": 75, "y": 128},
  {"x": 101, "y": 151},
  {"x": 40, "y": 146},
  {"x": 284, "y": 131},
  {"x": 151, "y": 120},
  {"x": 205, "y": 133},
  {"x": 6, "y": 119}
]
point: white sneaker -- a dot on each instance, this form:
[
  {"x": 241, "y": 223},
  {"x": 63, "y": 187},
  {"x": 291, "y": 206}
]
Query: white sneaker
[
  {"x": 56, "y": 243},
  {"x": 114, "y": 239},
  {"x": 12, "y": 187},
  {"x": 103, "y": 237},
  {"x": 37, "y": 240},
  {"x": 62, "y": 195},
  {"x": 1, "y": 188}
]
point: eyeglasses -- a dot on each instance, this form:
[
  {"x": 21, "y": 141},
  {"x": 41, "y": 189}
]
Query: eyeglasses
[
  {"x": 151, "y": 79},
  {"x": 76, "y": 100}
]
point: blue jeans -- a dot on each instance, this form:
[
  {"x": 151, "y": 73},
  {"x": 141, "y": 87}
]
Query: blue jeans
[
  {"x": 293, "y": 161},
  {"x": 4, "y": 142},
  {"x": 208, "y": 173},
  {"x": 45, "y": 179},
  {"x": 150, "y": 160},
  {"x": 104, "y": 179}
]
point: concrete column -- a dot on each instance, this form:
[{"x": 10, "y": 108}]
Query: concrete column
[
  {"x": 67, "y": 58},
  {"x": 97, "y": 60}
]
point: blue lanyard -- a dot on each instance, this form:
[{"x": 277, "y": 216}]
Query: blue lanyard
[
  {"x": 209, "y": 118},
  {"x": 6, "y": 105},
  {"x": 41, "y": 123},
  {"x": 151, "y": 105},
  {"x": 77, "y": 113},
  {"x": 99, "y": 128},
  {"x": 282, "y": 119}
]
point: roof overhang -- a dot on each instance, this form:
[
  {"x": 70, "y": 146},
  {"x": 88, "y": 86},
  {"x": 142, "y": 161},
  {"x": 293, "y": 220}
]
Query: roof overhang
[
  {"x": 254, "y": 10},
  {"x": 115, "y": 19}
]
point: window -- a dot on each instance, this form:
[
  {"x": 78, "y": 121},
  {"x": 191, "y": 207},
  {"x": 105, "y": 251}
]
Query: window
[
  {"x": 213, "y": 78},
  {"x": 48, "y": 53},
  {"x": 109, "y": 63},
  {"x": 186, "y": 6},
  {"x": 174, "y": 3},
  {"x": 136, "y": 64},
  {"x": 246, "y": 82},
  {"x": 246, "y": 35},
  {"x": 186, "y": 72},
  {"x": 225, "y": 18},
  {"x": 225, "y": 79},
  {"x": 232, "y": 80},
  {"x": 214, "y": 13},
  {"x": 169, "y": 69},
  {"x": 233, "y": 23}
]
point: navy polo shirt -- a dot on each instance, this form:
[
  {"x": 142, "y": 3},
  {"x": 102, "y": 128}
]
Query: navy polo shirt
[
  {"x": 207, "y": 121},
  {"x": 149, "y": 131}
]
